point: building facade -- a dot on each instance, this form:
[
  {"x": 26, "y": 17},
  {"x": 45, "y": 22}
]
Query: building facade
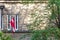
[{"x": 21, "y": 13}]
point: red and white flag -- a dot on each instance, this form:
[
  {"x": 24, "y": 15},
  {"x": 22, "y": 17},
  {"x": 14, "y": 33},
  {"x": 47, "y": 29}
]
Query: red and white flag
[{"x": 12, "y": 23}]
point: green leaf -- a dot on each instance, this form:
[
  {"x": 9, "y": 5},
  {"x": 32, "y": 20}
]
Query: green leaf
[{"x": 53, "y": 16}]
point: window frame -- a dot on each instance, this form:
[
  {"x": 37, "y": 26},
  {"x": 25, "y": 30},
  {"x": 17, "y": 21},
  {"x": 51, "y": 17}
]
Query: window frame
[
  {"x": 8, "y": 19},
  {"x": 9, "y": 16},
  {"x": 16, "y": 22}
]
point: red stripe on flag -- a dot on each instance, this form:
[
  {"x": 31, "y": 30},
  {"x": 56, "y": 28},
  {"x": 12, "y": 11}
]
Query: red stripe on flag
[{"x": 12, "y": 23}]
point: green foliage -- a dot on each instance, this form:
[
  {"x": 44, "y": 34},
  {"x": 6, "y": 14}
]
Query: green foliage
[
  {"x": 47, "y": 34},
  {"x": 54, "y": 6},
  {"x": 4, "y": 37},
  {"x": 56, "y": 2}
]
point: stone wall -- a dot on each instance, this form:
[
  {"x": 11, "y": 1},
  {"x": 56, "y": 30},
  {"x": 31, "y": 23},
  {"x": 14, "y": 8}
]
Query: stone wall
[
  {"x": 24, "y": 11},
  {"x": 22, "y": 0}
]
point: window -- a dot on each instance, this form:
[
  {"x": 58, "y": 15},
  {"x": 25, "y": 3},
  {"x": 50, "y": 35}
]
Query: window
[
  {"x": 6, "y": 22},
  {"x": 16, "y": 22},
  {"x": 3, "y": 22}
]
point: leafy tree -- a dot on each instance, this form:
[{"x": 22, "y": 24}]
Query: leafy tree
[{"x": 54, "y": 6}]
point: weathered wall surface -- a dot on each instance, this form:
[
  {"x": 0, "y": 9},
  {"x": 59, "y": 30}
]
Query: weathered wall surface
[
  {"x": 24, "y": 11},
  {"x": 21, "y": 0}
]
